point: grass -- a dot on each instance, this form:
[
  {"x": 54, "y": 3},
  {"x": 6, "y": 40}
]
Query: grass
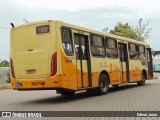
[{"x": 5, "y": 86}]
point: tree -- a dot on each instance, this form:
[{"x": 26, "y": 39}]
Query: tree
[
  {"x": 4, "y": 63},
  {"x": 142, "y": 30},
  {"x": 124, "y": 30}
]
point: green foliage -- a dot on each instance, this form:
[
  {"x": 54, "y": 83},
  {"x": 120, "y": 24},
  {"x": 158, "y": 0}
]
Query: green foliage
[
  {"x": 124, "y": 30},
  {"x": 140, "y": 32},
  {"x": 4, "y": 63}
]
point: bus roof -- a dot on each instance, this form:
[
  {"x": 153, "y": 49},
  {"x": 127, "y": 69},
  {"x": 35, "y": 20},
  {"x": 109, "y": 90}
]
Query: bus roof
[
  {"x": 31, "y": 23},
  {"x": 103, "y": 33},
  {"x": 69, "y": 25}
]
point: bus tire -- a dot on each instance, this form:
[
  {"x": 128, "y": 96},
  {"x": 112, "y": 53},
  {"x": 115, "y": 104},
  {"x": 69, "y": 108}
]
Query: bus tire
[
  {"x": 103, "y": 85},
  {"x": 142, "y": 82}
]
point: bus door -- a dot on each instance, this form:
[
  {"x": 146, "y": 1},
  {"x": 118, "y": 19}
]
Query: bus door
[
  {"x": 82, "y": 60},
  {"x": 149, "y": 63},
  {"x": 123, "y": 55}
]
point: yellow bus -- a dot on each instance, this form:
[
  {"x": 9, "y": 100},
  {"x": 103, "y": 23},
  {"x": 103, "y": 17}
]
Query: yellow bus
[{"x": 68, "y": 58}]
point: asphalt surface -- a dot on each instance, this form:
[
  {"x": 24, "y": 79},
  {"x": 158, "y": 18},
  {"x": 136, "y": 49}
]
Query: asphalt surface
[{"x": 124, "y": 98}]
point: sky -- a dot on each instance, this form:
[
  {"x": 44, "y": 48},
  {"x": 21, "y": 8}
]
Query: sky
[{"x": 94, "y": 14}]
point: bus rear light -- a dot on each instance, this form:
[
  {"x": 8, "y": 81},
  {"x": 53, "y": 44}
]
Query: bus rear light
[
  {"x": 12, "y": 68},
  {"x": 54, "y": 64}
]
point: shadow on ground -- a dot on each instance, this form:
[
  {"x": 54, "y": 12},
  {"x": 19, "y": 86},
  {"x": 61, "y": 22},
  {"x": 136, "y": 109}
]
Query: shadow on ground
[{"x": 81, "y": 95}]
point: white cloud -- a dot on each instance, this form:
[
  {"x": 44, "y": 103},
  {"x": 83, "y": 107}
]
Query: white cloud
[
  {"x": 75, "y": 5},
  {"x": 94, "y": 14},
  {"x": 71, "y": 5}
]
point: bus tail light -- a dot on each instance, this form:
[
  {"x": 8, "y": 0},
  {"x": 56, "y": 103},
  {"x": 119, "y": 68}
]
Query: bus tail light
[
  {"x": 54, "y": 64},
  {"x": 12, "y": 68}
]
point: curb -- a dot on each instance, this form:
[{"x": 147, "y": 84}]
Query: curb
[{"x": 3, "y": 87}]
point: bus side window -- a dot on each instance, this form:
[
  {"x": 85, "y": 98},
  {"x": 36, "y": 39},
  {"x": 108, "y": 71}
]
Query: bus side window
[
  {"x": 133, "y": 51},
  {"x": 97, "y": 46},
  {"x": 80, "y": 50},
  {"x": 111, "y": 48},
  {"x": 67, "y": 42},
  {"x": 141, "y": 54}
]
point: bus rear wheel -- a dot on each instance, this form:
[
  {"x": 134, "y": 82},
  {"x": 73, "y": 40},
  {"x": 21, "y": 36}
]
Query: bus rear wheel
[
  {"x": 142, "y": 82},
  {"x": 103, "y": 85}
]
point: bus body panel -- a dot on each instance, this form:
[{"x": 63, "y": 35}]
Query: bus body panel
[
  {"x": 68, "y": 72},
  {"x": 32, "y": 53},
  {"x": 39, "y": 83}
]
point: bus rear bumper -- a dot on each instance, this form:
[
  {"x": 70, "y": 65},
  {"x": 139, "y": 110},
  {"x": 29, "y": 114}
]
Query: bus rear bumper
[{"x": 36, "y": 84}]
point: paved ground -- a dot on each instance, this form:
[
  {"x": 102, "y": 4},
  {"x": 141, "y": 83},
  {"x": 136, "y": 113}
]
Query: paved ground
[
  {"x": 125, "y": 98},
  {"x": 157, "y": 74}
]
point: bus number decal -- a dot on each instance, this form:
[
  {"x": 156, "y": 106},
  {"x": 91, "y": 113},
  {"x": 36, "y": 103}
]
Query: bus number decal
[{"x": 38, "y": 83}]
